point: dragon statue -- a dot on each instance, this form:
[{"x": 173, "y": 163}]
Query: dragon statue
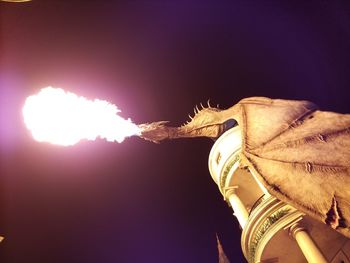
[{"x": 288, "y": 144}]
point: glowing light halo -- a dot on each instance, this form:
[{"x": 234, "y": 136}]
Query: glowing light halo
[
  {"x": 63, "y": 118},
  {"x": 15, "y": 1}
]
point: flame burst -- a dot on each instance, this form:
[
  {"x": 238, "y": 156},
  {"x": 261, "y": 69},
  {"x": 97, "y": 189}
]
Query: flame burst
[{"x": 63, "y": 118}]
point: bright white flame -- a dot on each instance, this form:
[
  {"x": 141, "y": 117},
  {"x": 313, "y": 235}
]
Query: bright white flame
[{"x": 63, "y": 118}]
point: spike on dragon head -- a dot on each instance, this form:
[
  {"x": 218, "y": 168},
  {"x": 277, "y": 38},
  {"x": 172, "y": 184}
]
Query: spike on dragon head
[
  {"x": 201, "y": 116},
  {"x": 207, "y": 122}
]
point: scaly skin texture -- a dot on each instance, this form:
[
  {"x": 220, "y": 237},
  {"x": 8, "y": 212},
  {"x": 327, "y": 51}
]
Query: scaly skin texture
[
  {"x": 300, "y": 154},
  {"x": 207, "y": 122}
]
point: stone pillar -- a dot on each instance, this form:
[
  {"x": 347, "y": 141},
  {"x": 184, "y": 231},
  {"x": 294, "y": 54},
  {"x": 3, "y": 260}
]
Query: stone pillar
[
  {"x": 262, "y": 188},
  {"x": 240, "y": 211},
  {"x": 310, "y": 250}
]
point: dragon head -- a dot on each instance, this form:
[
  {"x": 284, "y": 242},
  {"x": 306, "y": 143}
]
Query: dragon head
[{"x": 207, "y": 122}]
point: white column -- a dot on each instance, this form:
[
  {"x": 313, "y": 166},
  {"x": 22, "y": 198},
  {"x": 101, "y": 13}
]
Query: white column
[
  {"x": 310, "y": 250},
  {"x": 262, "y": 188},
  {"x": 240, "y": 211}
]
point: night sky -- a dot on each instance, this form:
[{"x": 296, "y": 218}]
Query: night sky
[{"x": 138, "y": 201}]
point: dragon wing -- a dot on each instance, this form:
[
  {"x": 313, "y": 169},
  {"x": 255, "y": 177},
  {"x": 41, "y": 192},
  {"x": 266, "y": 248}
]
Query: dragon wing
[{"x": 300, "y": 154}]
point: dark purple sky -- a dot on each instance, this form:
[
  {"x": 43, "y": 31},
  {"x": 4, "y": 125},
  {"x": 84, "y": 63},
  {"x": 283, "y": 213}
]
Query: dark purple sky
[{"x": 137, "y": 201}]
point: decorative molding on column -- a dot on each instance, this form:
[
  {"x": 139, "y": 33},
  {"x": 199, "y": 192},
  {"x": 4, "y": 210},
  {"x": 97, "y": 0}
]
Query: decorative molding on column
[
  {"x": 295, "y": 229},
  {"x": 270, "y": 216},
  {"x": 294, "y": 226},
  {"x": 229, "y": 191},
  {"x": 231, "y": 165},
  {"x": 228, "y": 147}
]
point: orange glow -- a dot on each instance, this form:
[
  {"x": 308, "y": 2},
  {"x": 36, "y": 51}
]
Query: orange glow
[
  {"x": 63, "y": 118},
  {"x": 16, "y": 1}
]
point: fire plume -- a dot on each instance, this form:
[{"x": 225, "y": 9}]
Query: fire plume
[{"x": 63, "y": 118}]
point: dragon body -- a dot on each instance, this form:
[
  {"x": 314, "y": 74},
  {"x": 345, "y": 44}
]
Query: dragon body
[{"x": 299, "y": 153}]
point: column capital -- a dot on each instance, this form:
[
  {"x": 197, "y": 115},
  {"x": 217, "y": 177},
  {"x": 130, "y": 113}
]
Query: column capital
[
  {"x": 229, "y": 191},
  {"x": 295, "y": 228}
]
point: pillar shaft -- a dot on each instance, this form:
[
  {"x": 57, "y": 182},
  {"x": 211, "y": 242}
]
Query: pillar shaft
[
  {"x": 238, "y": 207},
  {"x": 310, "y": 250},
  {"x": 262, "y": 188}
]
